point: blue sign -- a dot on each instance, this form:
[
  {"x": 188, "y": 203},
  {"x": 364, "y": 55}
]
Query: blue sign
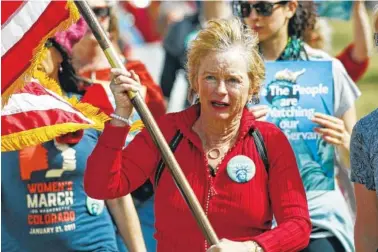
[
  {"x": 294, "y": 91},
  {"x": 334, "y": 9}
]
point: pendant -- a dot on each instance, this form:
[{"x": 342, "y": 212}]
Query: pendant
[
  {"x": 214, "y": 153},
  {"x": 241, "y": 169}
]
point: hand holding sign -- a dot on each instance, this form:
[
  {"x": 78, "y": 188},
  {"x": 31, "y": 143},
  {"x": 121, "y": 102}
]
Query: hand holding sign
[
  {"x": 333, "y": 131},
  {"x": 259, "y": 112}
]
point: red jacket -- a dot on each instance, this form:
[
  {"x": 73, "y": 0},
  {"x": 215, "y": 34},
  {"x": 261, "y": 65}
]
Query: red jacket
[{"x": 237, "y": 212}]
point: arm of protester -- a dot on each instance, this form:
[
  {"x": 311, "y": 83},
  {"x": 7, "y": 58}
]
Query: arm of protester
[
  {"x": 259, "y": 111},
  {"x": 362, "y": 165},
  {"x": 113, "y": 171},
  {"x": 337, "y": 131},
  {"x": 355, "y": 69},
  {"x": 355, "y": 57},
  {"x": 168, "y": 75},
  {"x": 366, "y": 226},
  {"x": 127, "y": 221},
  {"x": 362, "y": 33}
]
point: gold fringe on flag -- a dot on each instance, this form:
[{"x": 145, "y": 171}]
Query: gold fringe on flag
[
  {"x": 36, "y": 136},
  {"x": 74, "y": 16},
  {"x": 20, "y": 140}
]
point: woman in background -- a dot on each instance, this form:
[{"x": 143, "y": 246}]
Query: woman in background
[
  {"x": 355, "y": 57},
  {"x": 44, "y": 206},
  {"x": 364, "y": 164},
  {"x": 91, "y": 63},
  {"x": 281, "y": 26}
]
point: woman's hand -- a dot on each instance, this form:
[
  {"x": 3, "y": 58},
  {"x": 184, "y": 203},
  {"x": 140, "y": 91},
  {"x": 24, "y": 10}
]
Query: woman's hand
[
  {"x": 333, "y": 130},
  {"x": 230, "y": 246},
  {"x": 259, "y": 112},
  {"x": 123, "y": 82}
]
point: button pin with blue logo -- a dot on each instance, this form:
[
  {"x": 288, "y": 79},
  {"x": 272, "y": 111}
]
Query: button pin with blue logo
[
  {"x": 241, "y": 169},
  {"x": 95, "y": 207}
]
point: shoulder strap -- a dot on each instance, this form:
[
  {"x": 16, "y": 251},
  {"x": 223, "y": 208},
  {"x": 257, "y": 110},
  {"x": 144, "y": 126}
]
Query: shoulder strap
[
  {"x": 173, "y": 145},
  {"x": 255, "y": 133},
  {"x": 259, "y": 142}
]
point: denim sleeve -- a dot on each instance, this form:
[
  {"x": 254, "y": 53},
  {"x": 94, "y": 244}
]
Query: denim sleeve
[{"x": 362, "y": 170}]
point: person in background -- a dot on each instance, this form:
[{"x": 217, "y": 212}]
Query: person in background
[
  {"x": 180, "y": 34},
  {"x": 44, "y": 206},
  {"x": 171, "y": 12},
  {"x": 145, "y": 18},
  {"x": 281, "y": 27},
  {"x": 355, "y": 57},
  {"x": 92, "y": 64},
  {"x": 364, "y": 165}
]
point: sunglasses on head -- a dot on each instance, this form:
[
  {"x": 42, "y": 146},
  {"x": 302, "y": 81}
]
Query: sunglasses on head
[
  {"x": 101, "y": 12},
  {"x": 244, "y": 9}
]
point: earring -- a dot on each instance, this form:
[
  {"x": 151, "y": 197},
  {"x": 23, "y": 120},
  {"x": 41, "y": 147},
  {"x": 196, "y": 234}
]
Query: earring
[
  {"x": 255, "y": 99},
  {"x": 195, "y": 99},
  {"x": 249, "y": 103},
  {"x": 60, "y": 68}
]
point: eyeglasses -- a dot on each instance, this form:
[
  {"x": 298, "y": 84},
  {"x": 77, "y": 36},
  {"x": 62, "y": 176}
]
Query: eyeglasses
[
  {"x": 101, "y": 12},
  {"x": 262, "y": 8}
]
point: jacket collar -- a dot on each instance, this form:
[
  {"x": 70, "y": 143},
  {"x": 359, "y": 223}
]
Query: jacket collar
[{"x": 188, "y": 117}]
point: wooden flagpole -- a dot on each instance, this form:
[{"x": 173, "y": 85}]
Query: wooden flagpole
[{"x": 152, "y": 127}]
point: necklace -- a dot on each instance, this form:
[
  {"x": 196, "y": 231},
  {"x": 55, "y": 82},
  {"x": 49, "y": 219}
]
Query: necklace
[
  {"x": 214, "y": 153},
  {"x": 294, "y": 50}
]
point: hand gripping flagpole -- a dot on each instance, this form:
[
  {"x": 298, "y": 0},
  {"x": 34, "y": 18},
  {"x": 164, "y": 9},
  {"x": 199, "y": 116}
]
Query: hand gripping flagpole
[{"x": 152, "y": 127}]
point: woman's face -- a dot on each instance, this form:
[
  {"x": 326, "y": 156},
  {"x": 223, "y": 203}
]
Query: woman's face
[
  {"x": 51, "y": 63},
  {"x": 102, "y": 11},
  {"x": 222, "y": 84},
  {"x": 274, "y": 22}
]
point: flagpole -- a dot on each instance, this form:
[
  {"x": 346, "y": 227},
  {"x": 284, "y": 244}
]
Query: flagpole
[{"x": 149, "y": 122}]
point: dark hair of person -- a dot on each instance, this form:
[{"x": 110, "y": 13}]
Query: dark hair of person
[
  {"x": 67, "y": 74},
  {"x": 304, "y": 19}
]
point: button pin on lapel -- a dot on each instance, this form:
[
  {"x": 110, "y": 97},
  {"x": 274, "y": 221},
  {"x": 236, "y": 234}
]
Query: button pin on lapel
[{"x": 241, "y": 169}]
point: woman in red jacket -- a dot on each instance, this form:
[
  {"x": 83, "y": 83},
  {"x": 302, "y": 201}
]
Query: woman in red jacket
[{"x": 217, "y": 154}]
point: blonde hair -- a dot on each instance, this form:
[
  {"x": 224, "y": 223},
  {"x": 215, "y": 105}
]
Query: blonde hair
[{"x": 221, "y": 35}]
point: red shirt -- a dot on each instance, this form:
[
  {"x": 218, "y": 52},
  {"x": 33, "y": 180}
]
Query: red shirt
[
  {"x": 354, "y": 69},
  {"x": 236, "y": 211}
]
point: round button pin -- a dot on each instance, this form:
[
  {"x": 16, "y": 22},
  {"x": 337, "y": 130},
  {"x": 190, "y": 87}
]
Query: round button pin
[
  {"x": 95, "y": 207},
  {"x": 241, "y": 169}
]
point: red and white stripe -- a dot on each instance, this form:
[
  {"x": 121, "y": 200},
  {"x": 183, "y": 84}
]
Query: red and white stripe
[
  {"x": 36, "y": 107},
  {"x": 23, "y": 25}
]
